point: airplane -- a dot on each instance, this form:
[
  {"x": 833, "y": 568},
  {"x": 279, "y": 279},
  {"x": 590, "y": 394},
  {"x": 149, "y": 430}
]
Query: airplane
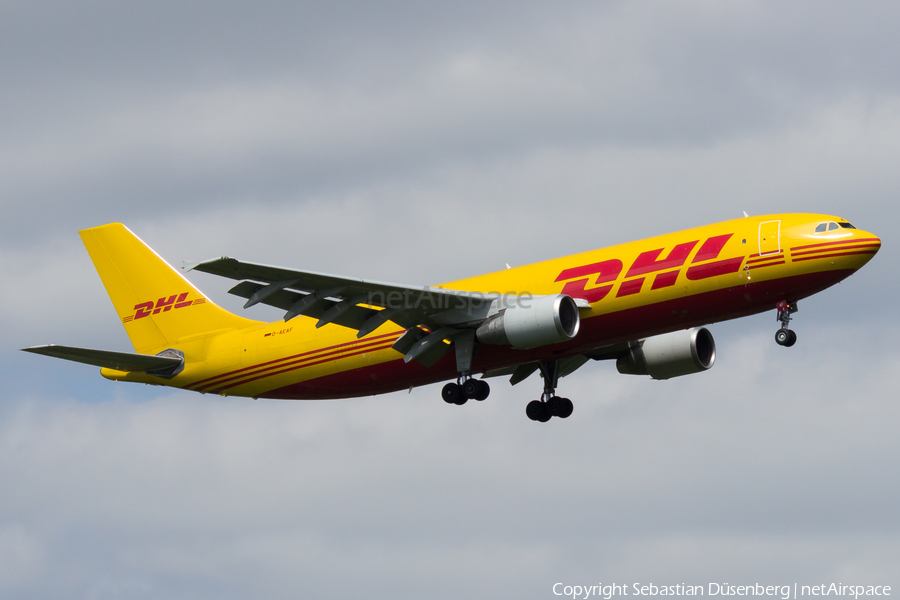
[{"x": 643, "y": 304}]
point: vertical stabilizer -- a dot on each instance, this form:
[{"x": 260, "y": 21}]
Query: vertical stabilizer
[{"x": 155, "y": 303}]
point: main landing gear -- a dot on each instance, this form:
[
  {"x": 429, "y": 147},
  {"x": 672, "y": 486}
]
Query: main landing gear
[
  {"x": 784, "y": 336},
  {"x": 549, "y": 405},
  {"x": 466, "y": 388}
]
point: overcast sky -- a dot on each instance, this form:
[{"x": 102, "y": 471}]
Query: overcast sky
[{"x": 420, "y": 143}]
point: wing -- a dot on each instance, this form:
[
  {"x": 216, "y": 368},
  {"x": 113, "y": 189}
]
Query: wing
[{"x": 431, "y": 315}]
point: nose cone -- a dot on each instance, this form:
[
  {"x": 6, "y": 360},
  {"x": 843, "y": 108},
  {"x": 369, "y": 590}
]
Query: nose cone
[
  {"x": 864, "y": 246},
  {"x": 869, "y": 241}
]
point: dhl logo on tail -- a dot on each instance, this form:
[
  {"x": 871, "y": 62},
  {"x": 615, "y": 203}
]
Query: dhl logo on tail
[{"x": 145, "y": 309}]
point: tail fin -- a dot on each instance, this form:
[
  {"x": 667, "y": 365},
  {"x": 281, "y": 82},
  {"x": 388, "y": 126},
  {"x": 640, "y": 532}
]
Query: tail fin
[{"x": 156, "y": 304}]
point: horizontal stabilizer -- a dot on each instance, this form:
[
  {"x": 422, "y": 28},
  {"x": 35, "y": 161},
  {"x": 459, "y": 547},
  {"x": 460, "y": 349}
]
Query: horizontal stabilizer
[{"x": 120, "y": 361}]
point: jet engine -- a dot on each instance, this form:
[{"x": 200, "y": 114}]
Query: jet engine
[
  {"x": 539, "y": 321},
  {"x": 670, "y": 355}
]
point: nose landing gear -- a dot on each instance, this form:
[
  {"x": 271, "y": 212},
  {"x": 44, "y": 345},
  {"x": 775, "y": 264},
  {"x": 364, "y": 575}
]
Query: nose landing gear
[
  {"x": 784, "y": 336},
  {"x": 549, "y": 405}
]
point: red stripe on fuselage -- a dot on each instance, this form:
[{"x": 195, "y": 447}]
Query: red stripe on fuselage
[
  {"x": 836, "y": 248},
  {"x": 255, "y": 374},
  {"x": 302, "y": 365},
  {"x": 752, "y": 260},
  {"x": 279, "y": 362},
  {"x": 769, "y": 264},
  {"x": 818, "y": 256},
  {"x": 850, "y": 241}
]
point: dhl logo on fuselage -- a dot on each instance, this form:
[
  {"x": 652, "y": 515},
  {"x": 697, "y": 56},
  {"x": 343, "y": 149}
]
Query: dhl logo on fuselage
[
  {"x": 145, "y": 309},
  {"x": 666, "y": 270}
]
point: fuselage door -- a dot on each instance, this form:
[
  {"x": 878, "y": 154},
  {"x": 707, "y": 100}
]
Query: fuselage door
[{"x": 769, "y": 237}]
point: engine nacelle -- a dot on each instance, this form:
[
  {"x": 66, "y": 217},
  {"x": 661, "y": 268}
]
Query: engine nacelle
[
  {"x": 670, "y": 355},
  {"x": 540, "y": 321}
]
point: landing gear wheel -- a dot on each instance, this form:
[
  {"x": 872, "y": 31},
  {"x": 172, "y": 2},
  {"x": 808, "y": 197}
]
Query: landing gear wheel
[
  {"x": 537, "y": 411},
  {"x": 483, "y": 390},
  {"x": 781, "y": 337},
  {"x": 564, "y": 408},
  {"x": 553, "y": 406},
  {"x": 560, "y": 407},
  {"x": 452, "y": 393},
  {"x": 792, "y": 338},
  {"x": 785, "y": 337}
]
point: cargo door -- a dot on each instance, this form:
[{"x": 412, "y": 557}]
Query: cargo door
[{"x": 769, "y": 237}]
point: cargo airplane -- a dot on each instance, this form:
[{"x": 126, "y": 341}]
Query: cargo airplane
[{"x": 642, "y": 304}]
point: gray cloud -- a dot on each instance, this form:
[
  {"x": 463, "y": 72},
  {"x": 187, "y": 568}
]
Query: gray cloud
[
  {"x": 701, "y": 478},
  {"x": 173, "y": 108}
]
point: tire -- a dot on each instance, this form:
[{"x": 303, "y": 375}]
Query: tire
[
  {"x": 553, "y": 406},
  {"x": 792, "y": 338},
  {"x": 470, "y": 388},
  {"x": 782, "y": 336},
  {"x": 565, "y": 408},
  {"x": 452, "y": 394},
  {"x": 537, "y": 411},
  {"x": 484, "y": 390}
]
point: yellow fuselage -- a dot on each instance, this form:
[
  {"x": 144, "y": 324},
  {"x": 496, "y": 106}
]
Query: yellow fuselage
[{"x": 635, "y": 290}]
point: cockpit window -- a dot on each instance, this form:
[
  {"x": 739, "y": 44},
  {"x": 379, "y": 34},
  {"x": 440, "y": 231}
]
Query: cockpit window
[{"x": 832, "y": 226}]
